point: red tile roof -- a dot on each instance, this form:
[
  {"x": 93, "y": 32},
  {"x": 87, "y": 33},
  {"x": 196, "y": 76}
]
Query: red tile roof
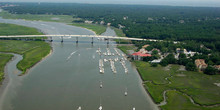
[{"x": 141, "y": 54}]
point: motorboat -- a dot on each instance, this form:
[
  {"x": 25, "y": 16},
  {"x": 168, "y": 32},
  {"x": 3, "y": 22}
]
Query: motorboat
[
  {"x": 101, "y": 85},
  {"x": 100, "y": 108},
  {"x": 126, "y": 93},
  {"x": 79, "y": 108}
]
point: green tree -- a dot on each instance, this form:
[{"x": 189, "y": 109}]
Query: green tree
[
  {"x": 171, "y": 59},
  {"x": 149, "y": 48},
  {"x": 164, "y": 62},
  {"x": 190, "y": 66},
  {"x": 154, "y": 64},
  {"x": 210, "y": 70}
]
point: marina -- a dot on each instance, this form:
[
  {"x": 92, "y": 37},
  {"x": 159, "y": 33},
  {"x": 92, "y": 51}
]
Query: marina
[{"x": 76, "y": 83}]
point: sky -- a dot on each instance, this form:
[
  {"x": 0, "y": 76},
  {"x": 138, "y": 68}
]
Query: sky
[{"x": 208, "y": 3}]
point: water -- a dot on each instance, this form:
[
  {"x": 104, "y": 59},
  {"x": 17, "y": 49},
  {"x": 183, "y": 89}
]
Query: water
[{"x": 70, "y": 77}]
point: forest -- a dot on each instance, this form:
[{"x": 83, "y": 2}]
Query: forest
[{"x": 197, "y": 25}]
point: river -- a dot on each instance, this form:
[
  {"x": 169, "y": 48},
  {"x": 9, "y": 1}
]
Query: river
[{"x": 70, "y": 76}]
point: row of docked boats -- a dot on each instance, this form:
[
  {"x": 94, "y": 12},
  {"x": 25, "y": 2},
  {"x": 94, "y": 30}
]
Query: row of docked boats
[
  {"x": 100, "y": 108},
  {"x": 124, "y": 65},
  {"x": 101, "y": 66},
  {"x": 112, "y": 63},
  {"x": 117, "y": 53},
  {"x": 80, "y": 108}
]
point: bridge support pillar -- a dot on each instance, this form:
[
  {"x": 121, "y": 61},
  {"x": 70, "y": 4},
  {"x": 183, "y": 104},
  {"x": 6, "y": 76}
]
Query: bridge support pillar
[
  {"x": 77, "y": 41},
  {"x": 51, "y": 39},
  {"x": 108, "y": 41},
  {"x": 62, "y": 39},
  {"x": 92, "y": 40}
]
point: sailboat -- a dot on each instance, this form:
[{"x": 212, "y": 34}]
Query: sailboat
[
  {"x": 100, "y": 108},
  {"x": 126, "y": 93},
  {"x": 79, "y": 108},
  {"x": 101, "y": 85}
]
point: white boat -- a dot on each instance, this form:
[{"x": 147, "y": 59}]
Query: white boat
[
  {"x": 133, "y": 108},
  {"x": 126, "y": 93},
  {"x": 101, "y": 85},
  {"x": 126, "y": 71},
  {"x": 79, "y": 108},
  {"x": 100, "y": 108},
  {"x": 105, "y": 60}
]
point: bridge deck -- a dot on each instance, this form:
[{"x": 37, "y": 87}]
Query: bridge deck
[{"x": 88, "y": 36}]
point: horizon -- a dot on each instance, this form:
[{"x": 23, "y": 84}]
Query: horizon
[{"x": 195, "y": 3}]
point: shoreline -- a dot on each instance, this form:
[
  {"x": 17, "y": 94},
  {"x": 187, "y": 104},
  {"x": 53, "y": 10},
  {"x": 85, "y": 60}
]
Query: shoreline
[
  {"x": 6, "y": 79},
  {"x": 43, "y": 58},
  {"x": 83, "y": 28},
  {"x": 51, "y": 51}
]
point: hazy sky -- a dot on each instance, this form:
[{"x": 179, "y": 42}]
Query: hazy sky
[{"x": 212, "y": 3}]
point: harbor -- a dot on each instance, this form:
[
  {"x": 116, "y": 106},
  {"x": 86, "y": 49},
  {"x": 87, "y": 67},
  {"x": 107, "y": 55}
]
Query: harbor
[
  {"x": 108, "y": 58},
  {"x": 70, "y": 79}
]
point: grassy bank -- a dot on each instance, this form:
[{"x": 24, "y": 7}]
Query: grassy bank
[
  {"x": 183, "y": 84},
  {"x": 98, "y": 29},
  {"x": 119, "y": 32},
  {"x": 11, "y": 29},
  {"x": 199, "y": 87},
  {"x": 51, "y": 18},
  {"x": 4, "y": 58},
  {"x": 32, "y": 51},
  {"x": 125, "y": 48}
]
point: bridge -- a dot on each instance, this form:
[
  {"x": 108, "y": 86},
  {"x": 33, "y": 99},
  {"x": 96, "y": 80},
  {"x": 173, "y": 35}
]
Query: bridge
[{"x": 77, "y": 36}]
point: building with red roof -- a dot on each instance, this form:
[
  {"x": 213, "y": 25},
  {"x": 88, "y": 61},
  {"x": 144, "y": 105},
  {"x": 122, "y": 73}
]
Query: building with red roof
[{"x": 139, "y": 55}]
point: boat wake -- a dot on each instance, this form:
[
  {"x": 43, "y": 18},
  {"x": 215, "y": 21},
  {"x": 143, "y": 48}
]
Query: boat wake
[{"x": 70, "y": 55}]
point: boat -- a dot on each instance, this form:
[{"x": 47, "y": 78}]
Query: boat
[
  {"x": 100, "y": 108},
  {"x": 101, "y": 85},
  {"x": 79, "y": 108},
  {"x": 105, "y": 60},
  {"x": 133, "y": 108},
  {"x": 126, "y": 93},
  {"x": 126, "y": 70}
]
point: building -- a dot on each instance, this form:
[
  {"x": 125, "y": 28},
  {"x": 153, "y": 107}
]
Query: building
[
  {"x": 140, "y": 56},
  {"x": 178, "y": 50},
  {"x": 88, "y": 22},
  {"x": 156, "y": 61},
  {"x": 200, "y": 64},
  {"x": 184, "y": 51},
  {"x": 102, "y": 22},
  {"x": 143, "y": 50},
  {"x": 108, "y": 24},
  {"x": 125, "y": 17}
]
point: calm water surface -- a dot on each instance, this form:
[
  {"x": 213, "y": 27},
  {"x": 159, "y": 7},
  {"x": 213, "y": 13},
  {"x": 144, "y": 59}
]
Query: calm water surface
[{"x": 70, "y": 77}]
